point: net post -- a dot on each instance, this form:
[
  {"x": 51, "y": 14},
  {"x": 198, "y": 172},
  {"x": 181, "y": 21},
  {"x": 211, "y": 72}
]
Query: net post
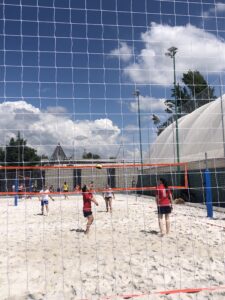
[
  {"x": 208, "y": 190},
  {"x": 16, "y": 190},
  {"x": 208, "y": 193}
]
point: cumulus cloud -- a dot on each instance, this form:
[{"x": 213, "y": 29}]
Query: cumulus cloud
[
  {"x": 195, "y": 48},
  {"x": 43, "y": 130},
  {"x": 220, "y": 7},
  {"x": 217, "y": 9},
  {"x": 148, "y": 104},
  {"x": 124, "y": 52},
  {"x": 56, "y": 109}
]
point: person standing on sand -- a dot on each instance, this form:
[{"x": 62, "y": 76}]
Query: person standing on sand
[
  {"x": 44, "y": 200},
  {"x": 108, "y": 195},
  {"x": 87, "y": 199},
  {"x": 164, "y": 204},
  {"x": 20, "y": 190},
  {"x": 65, "y": 189}
]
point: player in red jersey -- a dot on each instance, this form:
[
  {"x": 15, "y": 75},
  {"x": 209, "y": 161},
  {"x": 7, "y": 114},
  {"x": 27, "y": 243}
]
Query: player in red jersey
[
  {"x": 164, "y": 204},
  {"x": 87, "y": 199}
]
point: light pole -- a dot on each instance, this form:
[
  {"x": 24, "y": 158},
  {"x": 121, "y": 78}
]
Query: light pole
[
  {"x": 171, "y": 53},
  {"x": 137, "y": 94},
  {"x": 222, "y": 115}
]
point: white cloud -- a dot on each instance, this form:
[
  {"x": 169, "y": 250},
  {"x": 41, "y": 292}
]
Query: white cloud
[
  {"x": 217, "y": 9},
  {"x": 220, "y": 7},
  {"x": 43, "y": 130},
  {"x": 148, "y": 104},
  {"x": 195, "y": 48},
  {"x": 56, "y": 109},
  {"x": 124, "y": 52}
]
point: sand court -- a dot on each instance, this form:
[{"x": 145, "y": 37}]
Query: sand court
[{"x": 49, "y": 257}]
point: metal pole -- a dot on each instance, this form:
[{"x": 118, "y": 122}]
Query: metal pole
[
  {"x": 16, "y": 190},
  {"x": 139, "y": 126},
  {"x": 137, "y": 93},
  {"x": 174, "y": 151},
  {"x": 171, "y": 53},
  {"x": 221, "y": 109},
  {"x": 176, "y": 108}
]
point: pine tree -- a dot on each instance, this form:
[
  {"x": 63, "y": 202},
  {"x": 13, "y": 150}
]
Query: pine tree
[{"x": 17, "y": 153}]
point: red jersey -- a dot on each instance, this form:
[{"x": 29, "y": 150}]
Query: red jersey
[
  {"x": 87, "y": 201},
  {"x": 163, "y": 196}
]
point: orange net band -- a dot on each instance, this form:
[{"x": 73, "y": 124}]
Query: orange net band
[{"x": 81, "y": 166}]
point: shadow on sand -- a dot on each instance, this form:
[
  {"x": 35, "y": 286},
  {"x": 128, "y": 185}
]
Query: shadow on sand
[
  {"x": 78, "y": 230},
  {"x": 154, "y": 232}
]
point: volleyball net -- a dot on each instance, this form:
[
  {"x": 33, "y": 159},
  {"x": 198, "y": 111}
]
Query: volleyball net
[{"x": 120, "y": 177}]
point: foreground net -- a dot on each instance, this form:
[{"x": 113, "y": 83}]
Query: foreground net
[{"x": 135, "y": 86}]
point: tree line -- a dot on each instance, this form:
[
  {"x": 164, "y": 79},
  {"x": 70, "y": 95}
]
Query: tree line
[{"x": 18, "y": 153}]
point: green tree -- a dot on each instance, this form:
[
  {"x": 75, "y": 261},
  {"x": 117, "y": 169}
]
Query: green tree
[
  {"x": 194, "y": 93},
  {"x": 17, "y": 152},
  {"x": 90, "y": 155}
]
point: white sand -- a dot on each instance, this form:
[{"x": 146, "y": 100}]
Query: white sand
[{"x": 49, "y": 258}]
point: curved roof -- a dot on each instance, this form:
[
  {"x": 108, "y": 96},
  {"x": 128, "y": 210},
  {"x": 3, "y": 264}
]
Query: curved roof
[{"x": 200, "y": 132}]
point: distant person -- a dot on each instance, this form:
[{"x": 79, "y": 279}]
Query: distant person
[
  {"x": 31, "y": 187},
  {"x": 108, "y": 195},
  {"x": 20, "y": 190},
  {"x": 91, "y": 185},
  {"x": 77, "y": 189},
  {"x": 133, "y": 183},
  {"x": 65, "y": 189},
  {"x": 44, "y": 200},
  {"x": 164, "y": 204},
  {"x": 51, "y": 190},
  {"x": 35, "y": 190},
  {"x": 87, "y": 199}
]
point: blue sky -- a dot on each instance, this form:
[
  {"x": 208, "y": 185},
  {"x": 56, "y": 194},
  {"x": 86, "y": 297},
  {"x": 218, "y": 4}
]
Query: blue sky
[{"x": 68, "y": 69}]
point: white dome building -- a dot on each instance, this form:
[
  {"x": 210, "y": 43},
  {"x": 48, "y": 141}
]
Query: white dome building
[{"x": 200, "y": 132}]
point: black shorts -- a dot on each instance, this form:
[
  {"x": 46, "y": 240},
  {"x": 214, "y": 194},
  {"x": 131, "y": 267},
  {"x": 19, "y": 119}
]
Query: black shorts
[
  {"x": 108, "y": 198},
  {"x": 87, "y": 213},
  {"x": 164, "y": 210}
]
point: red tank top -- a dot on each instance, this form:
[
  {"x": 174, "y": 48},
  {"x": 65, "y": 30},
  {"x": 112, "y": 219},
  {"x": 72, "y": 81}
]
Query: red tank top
[
  {"x": 87, "y": 201},
  {"x": 163, "y": 195}
]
